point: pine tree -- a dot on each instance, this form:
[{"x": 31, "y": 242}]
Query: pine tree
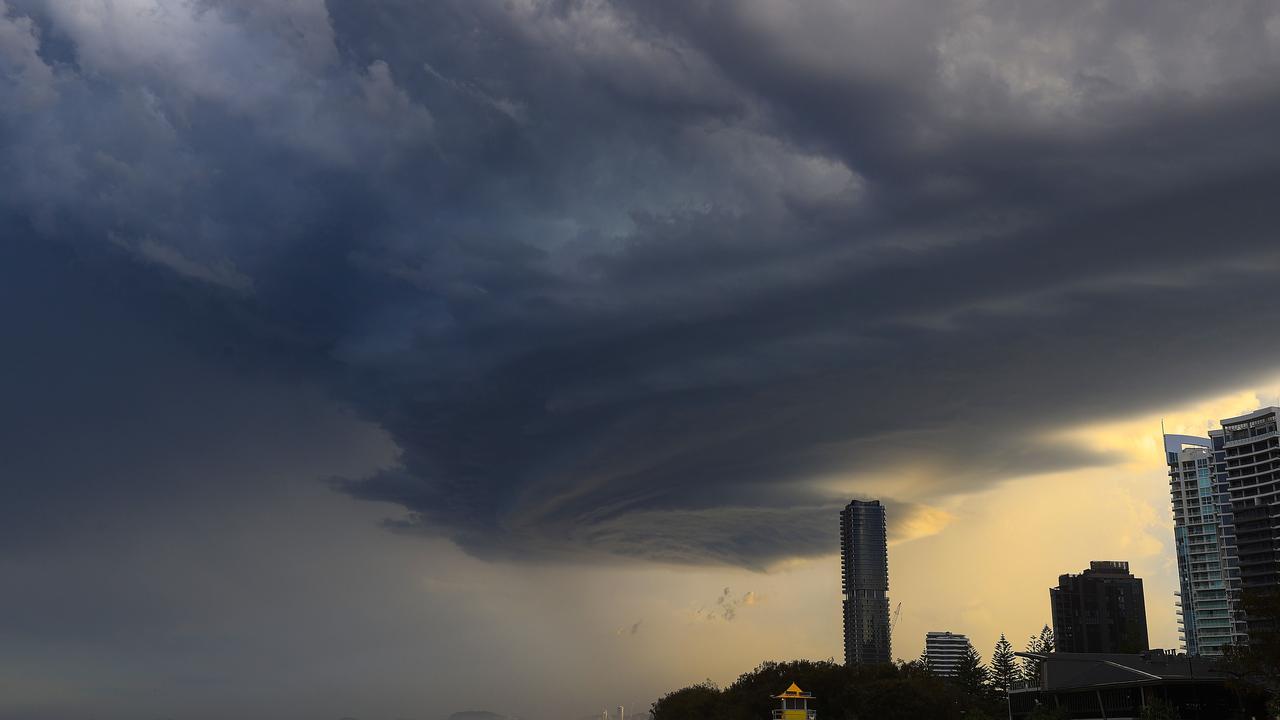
[
  {"x": 1031, "y": 668},
  {"x": 1040, "y": 644},
  {"x": 1047, "y": 642},
  {"x": 1004, "y": 666},
  {"x": 971, "y": 675}
]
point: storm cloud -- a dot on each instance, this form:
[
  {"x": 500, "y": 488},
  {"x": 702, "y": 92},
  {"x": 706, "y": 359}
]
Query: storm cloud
[{"x": 662, "y": 281}]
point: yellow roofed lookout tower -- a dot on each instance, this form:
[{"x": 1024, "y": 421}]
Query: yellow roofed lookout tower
[{"x": 795, "y": 705}]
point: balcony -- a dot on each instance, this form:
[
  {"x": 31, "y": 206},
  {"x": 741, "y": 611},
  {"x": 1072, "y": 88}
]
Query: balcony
[
  {"x": 1241, "y": 441},
  {"x": 1024, "y": 686}
]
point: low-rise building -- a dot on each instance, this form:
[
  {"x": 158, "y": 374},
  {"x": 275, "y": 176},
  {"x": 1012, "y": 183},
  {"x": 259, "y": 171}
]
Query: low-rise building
[
  {"x": 943, "y": 651},
  {"x": 1115, "y": 686}
]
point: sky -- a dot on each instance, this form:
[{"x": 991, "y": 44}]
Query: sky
[{"x": 391, "y": 359}]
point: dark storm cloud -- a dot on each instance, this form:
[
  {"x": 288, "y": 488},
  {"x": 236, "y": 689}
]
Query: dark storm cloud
[{"x": 647, "y": 280}]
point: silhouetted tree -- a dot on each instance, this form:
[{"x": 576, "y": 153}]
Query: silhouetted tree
[
  {"x": 1042, "y": 643},
  {"x": 971, "y": 675},
  {"x": 905, "y": 691},
  {"x": 696, "y": 701},
  {"x": 1004, "y": 666},
  {"x": 1256, "y": 666},
  {"x": 1048, "y": 643}
]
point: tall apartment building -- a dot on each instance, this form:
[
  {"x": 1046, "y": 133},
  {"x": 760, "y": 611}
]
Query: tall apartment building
[
  {"x": 1247, "y": 454},
  {"x": 1101, "y": 610},
  {"x": 1239, "y": 505},
  {"x": 1209, "y": 615},
  {"x": 943, "y": 651},
  {"x": 864, "y": 567}
]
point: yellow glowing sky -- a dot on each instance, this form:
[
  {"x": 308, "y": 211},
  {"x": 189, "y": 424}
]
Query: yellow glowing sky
[
  {"x": 988, "y": 571},
  {"x": 980, "y": 564}
]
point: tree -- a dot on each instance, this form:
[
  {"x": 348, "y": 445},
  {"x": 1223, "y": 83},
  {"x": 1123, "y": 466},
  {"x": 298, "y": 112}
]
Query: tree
[
  {"x": 695, "y": 701},
  {"x": 1047, "y": 642},
  {"x": 1256, "y": 666},
  {"x": 881, "y": 691},
  {"x": 1040, "y": 644},
  {"x": 1004, "y": 666},
  {"x": 924, "y": 660},
  {"x": 971, "y": 675}
]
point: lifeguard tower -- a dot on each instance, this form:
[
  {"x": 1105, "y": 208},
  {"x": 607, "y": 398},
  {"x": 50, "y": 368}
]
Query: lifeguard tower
[{"x": 795, "y": 705}]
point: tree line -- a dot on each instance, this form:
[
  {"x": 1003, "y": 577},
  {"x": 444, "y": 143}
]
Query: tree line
[
  {"x": 897, "y": 691},
  {"x": 1004, "y": 672}
]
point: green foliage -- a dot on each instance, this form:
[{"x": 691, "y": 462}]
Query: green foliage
[
  {"x": 1004, "y": 666},
  {"x": 906, "y": 691}
]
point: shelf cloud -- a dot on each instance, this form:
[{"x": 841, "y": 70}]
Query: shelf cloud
[{"x": 667, "y": 281}]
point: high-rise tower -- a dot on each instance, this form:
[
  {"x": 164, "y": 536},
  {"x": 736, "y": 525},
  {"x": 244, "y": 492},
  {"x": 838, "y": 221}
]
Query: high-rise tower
[
  {"x": 1229, "y": 490},
  {"x": 864, "y": 565},
  {"x": 1101, "y": 610},
  {"x": 1204, "y": 537},
  {"x": 1247, "y": 451}
]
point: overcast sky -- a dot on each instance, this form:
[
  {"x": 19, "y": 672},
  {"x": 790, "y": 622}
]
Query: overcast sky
[{"x": 389, "y": 359}]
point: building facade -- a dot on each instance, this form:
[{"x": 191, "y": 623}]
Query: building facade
[
  {"x": 1208, "y": 607},
  {"x": 1249, "y": 449},
  {"x": 1226, "y": 494},
  {"x": 864, "y": 567},
  {"x": 943, "y": 651},
  {"x": 1100, "y": 610}
]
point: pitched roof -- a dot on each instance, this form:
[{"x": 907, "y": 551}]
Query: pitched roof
[
  {"x": 794, "y": 692},
  {"x": 1065, "y": 671}
]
